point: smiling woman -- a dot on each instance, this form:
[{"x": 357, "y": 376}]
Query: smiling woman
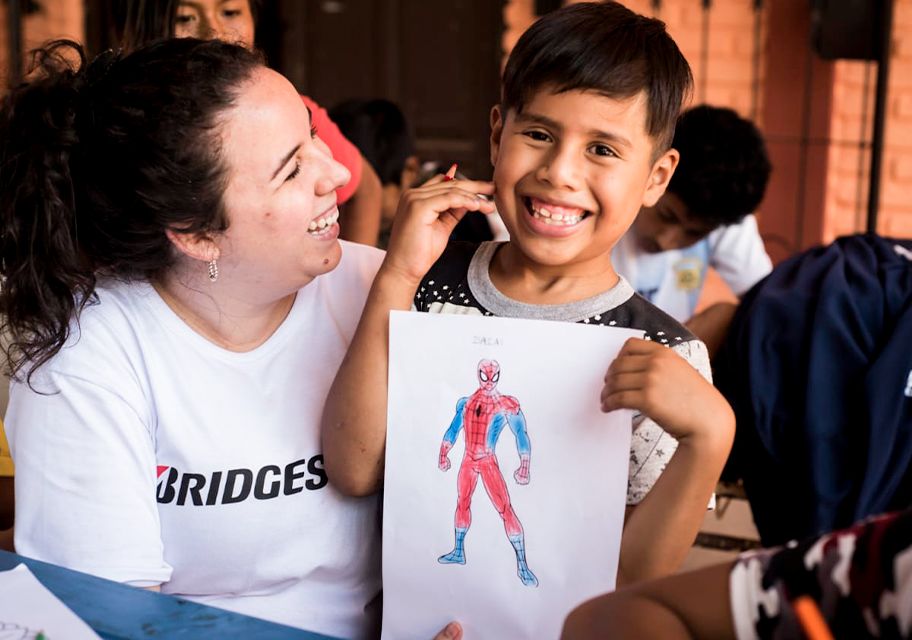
[{"x": 178, "y": 303}]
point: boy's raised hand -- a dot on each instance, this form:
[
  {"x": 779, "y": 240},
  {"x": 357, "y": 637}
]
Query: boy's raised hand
[
  {"x": 653, "y": 379},
  {"x": 425, "y": 219}
]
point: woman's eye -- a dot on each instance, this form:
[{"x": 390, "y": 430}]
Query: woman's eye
[
  {"x": 313, "y": 131},
  {"x": 294, "y": 173},
  {"x": 538, "y": 136},
  {"x": 231, "y": 13},
  {"x": 184, "y": 19},
  {"x": 603, "y": 150}
]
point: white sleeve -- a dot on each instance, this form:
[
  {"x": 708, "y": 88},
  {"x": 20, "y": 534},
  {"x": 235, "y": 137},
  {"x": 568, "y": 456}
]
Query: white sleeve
[
  {"x": 650, "y": 446},
  {"x": 738, "y": 254},
  {"x": 85, "y": 478}
]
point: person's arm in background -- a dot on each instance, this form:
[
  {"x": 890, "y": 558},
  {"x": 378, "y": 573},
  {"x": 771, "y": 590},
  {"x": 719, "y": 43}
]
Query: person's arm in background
[
  {"x": 684, "y": 606},
  {"x": 843, "y": 584},
  {"x": 361, "y": 212},
  {"x": 361, "y": 198},
  {"x": 739, "y": 256},
  {"x": 712, "y": 323}
]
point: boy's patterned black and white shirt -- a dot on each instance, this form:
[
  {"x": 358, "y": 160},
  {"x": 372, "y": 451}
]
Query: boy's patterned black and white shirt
[{"x": 459, "y": 282}]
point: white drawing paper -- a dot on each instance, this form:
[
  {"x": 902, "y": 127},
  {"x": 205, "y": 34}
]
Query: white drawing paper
[
  {"x": 505, "y": 483},
  {"x": 27, "y": 608}
]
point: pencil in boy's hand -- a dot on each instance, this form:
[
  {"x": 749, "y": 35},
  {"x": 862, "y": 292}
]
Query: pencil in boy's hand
[
  {"x": 811, "y": 619},
  {"x": 451, "y": 173}
]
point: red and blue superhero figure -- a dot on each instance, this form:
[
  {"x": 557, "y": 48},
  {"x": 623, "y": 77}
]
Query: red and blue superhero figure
[{"x": 483, "y": 415}]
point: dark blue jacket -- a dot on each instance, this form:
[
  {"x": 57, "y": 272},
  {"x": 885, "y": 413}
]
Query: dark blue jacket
[{"x": 817, "y": 366}]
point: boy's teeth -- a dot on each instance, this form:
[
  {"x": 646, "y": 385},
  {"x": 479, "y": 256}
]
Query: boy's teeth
[
  {"x": 564, "y": 216},
  {"x": 321, "y": 223},
  {"x": 557, "y": 219}
]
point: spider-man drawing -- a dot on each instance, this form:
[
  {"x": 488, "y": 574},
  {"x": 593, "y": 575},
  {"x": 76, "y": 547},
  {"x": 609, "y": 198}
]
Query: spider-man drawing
[{"x": 483, "y": 415}]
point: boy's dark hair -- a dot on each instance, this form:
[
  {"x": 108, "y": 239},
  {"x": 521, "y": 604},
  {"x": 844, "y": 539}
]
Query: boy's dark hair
[
  {"x": 602, "y": 47},
  {"x": 379, "y": 129},
  {"x": 97, "y": 162},
  {"x": 724, "y": 166}
]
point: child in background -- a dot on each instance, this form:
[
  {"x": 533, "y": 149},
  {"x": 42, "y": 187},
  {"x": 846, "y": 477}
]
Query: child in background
[
  {"x": 380, "y": 131},
  {"x": 704, "y": 220},
  {"x": 580, "y": 143}
]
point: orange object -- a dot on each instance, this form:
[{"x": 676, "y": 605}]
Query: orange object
[
  {"x": 812, "y": 621},
  {"x": 451, "y": 173}
]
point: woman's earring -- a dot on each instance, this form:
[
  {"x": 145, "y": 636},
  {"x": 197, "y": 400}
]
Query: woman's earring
[{"x": 213, "y": 271}]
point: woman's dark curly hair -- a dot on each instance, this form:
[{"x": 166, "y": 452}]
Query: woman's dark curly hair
[
  {"x": 97, "y": 161},
  {"x": 724, "y": 165}
]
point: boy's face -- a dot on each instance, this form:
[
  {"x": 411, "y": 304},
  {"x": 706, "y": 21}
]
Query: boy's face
[
  {"x": 668, "y": 225},
  {"x": 572, "y": 171}
]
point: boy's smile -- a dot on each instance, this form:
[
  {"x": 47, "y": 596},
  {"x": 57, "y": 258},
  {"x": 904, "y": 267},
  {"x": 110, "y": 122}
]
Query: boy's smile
[{"x": 571, "y": 170}]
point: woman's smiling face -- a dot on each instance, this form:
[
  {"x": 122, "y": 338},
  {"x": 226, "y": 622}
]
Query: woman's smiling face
[{"x": 280, "y": 198}]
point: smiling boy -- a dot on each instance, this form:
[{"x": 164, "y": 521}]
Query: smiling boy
[{"x": 580, "y": 143}]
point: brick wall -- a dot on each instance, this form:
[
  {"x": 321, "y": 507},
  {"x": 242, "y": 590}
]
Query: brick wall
[{"x": 852, "y": 121}]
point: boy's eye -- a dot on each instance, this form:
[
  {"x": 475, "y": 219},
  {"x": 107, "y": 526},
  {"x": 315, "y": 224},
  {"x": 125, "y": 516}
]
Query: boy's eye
[
  {"x": 313, "y": 131},
  {"x": 187, "y": 18},
  {"x": 295, "y": 172},
  {"x": 231, "y": 13},
  {"x": 603, "y": 150},
  {"x": 538, "y": 136}
]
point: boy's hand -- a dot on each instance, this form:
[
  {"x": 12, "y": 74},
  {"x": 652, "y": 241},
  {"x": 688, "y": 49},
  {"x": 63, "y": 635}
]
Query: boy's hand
[
  {"x": 653, "y": 379},
  {"x": 425, "y": 219}
]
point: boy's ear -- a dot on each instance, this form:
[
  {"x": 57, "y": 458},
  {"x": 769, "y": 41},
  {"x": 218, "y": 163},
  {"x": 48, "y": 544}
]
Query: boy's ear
[
  {"x": 497, "y": 122},
  {"x": 662, "y": 170},
  {"x": 197, "y": 246}
]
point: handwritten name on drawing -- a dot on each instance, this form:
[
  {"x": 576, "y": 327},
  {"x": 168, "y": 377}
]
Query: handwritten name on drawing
[{"x": 487, "y": 341}]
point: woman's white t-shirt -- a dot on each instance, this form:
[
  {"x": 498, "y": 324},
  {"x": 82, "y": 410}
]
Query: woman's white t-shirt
[{"x": 156, "y": 457}]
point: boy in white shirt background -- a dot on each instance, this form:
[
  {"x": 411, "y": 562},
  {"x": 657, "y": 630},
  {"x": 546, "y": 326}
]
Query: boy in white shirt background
[{"x": 704, "y": 219}]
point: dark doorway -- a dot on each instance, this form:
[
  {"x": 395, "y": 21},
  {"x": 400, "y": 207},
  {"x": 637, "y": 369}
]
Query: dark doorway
[{"x": 439, "y": 61}]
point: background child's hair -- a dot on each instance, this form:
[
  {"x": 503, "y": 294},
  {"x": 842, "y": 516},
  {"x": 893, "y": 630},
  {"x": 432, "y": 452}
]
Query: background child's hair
[
  {"x": 379, "y": 129},
  {"x": 724, "y": 165},
  {"x": 97, "y": 161},
  {"x": 606, "y": 48}
]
